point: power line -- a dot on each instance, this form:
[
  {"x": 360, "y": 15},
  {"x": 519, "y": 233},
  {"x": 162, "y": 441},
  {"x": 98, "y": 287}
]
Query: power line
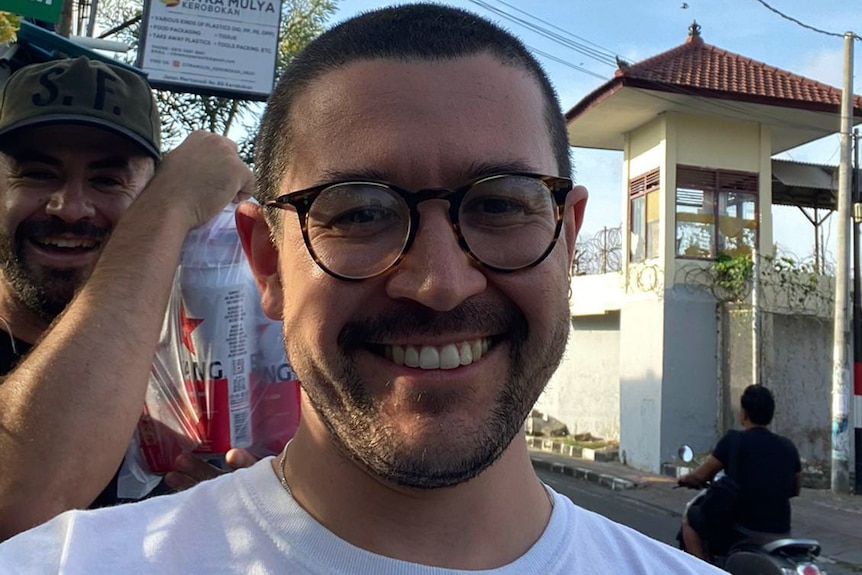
[
  {"x": 603, "y": 56},
  {"x": 610, "y": 53},
  {"x": 564, "y": 62},
  {"x": 801, "y": 23}
]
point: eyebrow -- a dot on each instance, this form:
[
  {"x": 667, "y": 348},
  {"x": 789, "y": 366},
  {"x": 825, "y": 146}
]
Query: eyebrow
[
  {"x": 474, "y": 171},
  {"x": 29, "y": 155}
]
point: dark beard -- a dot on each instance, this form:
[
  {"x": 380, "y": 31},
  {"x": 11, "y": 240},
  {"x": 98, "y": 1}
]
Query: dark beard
[
  {"x": 353, "y": 418},
  {"x": 45, "y": 292}
]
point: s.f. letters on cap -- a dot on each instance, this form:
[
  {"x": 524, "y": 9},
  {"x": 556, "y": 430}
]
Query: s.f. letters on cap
[
  {"x": 53, "y": 91},
  {"x": 81, "y": 91}
]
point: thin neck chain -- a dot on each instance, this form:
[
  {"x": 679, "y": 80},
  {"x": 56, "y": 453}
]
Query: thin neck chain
[
  {"x": 282, "y": 459},
  {"x": 549, "y": 494}
]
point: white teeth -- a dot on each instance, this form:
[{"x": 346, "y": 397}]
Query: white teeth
[
  {"x": 67, "y": 243},
  {"x": 429, "y": 358},
  {"x": 411, "y": 356},
  {"x": 466, "y": 353},
  {"x": 478, "y": 348},
  {"x": 448, "y": 356}
]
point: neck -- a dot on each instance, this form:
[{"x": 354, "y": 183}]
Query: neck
[
  {"x": 18, "y": 320},
  {"x": 483, "y": 523}
]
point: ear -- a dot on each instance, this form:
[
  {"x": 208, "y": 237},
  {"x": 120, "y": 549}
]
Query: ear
[
  {"x": 573, "y": 218},
  {"x": 262, "y": 256}
]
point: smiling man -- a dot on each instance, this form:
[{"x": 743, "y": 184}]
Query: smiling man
[
  {"x": 414, "y": 231},
  {"x": 79, "y": 163}
]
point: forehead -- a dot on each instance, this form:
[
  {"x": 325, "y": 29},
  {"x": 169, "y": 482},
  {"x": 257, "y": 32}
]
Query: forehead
[{"x": 429, "y": 122}]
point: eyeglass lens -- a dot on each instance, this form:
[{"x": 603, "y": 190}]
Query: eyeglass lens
[{"x": 360, "y": 229}]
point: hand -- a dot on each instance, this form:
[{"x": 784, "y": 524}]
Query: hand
[
  {"x": 689, "y": 481},
  {"x": 200, "y": 177},
  {"x": 190, "y": 470}
]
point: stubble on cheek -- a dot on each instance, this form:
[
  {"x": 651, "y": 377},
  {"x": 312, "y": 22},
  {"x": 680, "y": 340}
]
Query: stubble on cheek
[{"x": 428, "y": 439}]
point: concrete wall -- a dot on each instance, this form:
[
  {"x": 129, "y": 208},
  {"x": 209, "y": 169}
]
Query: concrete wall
[
  {"x": 645, "y": 150},
  {"x": 596, "y": 294},
  {"x": 584, "y": 393},
  {"x": 641, "y": 342},
  {"x": 796, "y": 364},
  {"x": 716, "y": 142},
  {"x": 801, "y": 379},
  {"x": 689, "y": 397}
]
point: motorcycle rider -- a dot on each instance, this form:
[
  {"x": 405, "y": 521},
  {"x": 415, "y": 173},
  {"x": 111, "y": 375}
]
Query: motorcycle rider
[{"x": 767, "y": 470}]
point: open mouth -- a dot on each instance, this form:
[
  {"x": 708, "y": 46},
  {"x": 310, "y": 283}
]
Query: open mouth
[
  {"x": 66, "y": 245},
  {"x": 448, "y": 356}
]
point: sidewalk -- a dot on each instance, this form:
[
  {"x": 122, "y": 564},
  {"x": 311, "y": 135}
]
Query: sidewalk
[{"x": 833, "y": 520}]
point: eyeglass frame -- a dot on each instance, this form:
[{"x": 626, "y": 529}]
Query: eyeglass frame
[{"x": 301, "y": 200}]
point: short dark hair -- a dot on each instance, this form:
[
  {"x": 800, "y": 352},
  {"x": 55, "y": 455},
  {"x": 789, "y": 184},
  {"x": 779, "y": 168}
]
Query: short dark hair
[
  {"x": 408, "y": 33},
  {"x": 758, "y": 403}
]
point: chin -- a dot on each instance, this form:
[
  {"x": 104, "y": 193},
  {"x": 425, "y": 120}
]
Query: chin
[{"x": 440, "y": 452}]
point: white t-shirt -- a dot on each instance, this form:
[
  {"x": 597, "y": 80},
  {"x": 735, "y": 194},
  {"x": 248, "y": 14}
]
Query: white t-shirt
[{"x": 244, "y": 523}]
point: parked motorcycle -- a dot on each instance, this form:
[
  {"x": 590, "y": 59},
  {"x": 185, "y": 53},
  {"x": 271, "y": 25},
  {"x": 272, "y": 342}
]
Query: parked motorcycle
[{"x": 763, "y": 554}]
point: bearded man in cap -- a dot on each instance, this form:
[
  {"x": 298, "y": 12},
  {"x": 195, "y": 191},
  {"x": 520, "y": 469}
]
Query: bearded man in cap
[{"x": 92, "y": 219}]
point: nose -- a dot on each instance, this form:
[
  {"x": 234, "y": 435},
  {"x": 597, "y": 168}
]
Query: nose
[
  {"x": 436, "y": 272},
  {"x": 70, "y": 202}
]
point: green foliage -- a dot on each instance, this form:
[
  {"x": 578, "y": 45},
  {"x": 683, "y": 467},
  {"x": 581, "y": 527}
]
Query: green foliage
[
  {"x": 301, "y": 22},
  {"x": 731, "y": 274},
  {"x": 798, "y": 281},
  {"x": 182, "y": 113},
  {"x": 785, "y": 283},
  {"x": 9, "y": 25}
]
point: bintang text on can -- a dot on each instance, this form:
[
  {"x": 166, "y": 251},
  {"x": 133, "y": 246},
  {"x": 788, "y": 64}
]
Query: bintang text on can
[{"x": 217, "y": 320}]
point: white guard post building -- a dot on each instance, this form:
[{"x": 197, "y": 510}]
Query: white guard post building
[{"x": 658, "y": 355}]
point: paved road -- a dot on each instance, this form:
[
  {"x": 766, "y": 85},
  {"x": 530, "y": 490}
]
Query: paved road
[{"x": 649, "y": 520}]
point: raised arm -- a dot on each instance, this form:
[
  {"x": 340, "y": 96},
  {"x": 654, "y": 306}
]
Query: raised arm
[{"x": 68, "y": 411}]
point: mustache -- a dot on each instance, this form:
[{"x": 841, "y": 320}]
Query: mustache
[
  {"x": 56, "y": 226},
  {"x": 408, "y": 320}
]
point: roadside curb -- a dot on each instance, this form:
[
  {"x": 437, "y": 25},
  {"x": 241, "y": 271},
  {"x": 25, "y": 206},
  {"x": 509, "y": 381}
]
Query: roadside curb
[
  {"x": 560, "y": 448},
  {"x": 604, "y": 479},
  {"x": 812, "y": 512}
]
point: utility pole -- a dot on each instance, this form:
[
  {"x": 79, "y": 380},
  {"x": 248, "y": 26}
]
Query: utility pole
[
  {"x": 841, "y": 328},
  {"x": 91, "y": 19},
  {"x": 857, "y": 317},
  {"x": 64, "y": 26},
  {"x": 755, "y": 317}
]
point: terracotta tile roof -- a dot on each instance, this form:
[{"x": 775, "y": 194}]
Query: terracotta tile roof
[{"x": 699, "y": 69}]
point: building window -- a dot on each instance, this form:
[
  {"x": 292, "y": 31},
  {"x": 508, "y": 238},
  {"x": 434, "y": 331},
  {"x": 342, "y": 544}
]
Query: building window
[
  {"x": 716, "y": 212},
  {"x": 644, "y": 216}
]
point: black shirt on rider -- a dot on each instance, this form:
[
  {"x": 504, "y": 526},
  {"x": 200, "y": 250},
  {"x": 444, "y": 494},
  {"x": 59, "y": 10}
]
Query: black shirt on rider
[{"x": 766, "y": 466}]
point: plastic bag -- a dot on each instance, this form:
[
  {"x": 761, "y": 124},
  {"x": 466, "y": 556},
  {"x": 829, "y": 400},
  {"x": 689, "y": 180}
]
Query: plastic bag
[{"x": 220, "y": 378}]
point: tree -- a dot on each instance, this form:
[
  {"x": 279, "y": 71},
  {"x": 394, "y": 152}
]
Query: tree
[
  {"x": 9, "y": 24},
  {"x": 182, "y": 113}
]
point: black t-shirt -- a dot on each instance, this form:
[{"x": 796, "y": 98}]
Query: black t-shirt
[
  {"x": 765, "y": 468},
  {"x": 12, "y": 350}
]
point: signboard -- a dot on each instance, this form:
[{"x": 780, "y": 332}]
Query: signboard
[
  {"x": 213, "y": 47},
  {"x": 44, "y": 10}
]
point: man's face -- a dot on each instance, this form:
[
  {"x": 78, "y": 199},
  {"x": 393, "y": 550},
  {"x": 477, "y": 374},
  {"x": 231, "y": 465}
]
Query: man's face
[
  {"x": 421, "y": 125},
  {"x": 62, "y": 191}
]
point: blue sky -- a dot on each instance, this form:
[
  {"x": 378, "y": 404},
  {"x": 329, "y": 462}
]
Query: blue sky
[{"x": 638, "y": 29}]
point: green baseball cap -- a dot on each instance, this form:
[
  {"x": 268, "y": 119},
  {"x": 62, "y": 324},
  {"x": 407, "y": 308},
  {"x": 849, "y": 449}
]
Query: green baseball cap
[{"x": 82, "y": 91}]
